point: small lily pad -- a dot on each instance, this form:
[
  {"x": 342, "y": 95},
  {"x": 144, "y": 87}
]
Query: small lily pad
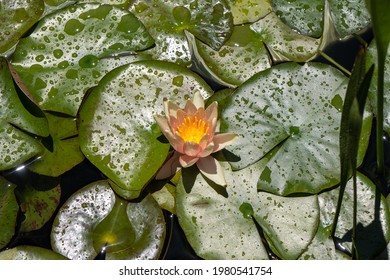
[
  {"x": 117, "y": 131},
  {"x": 72, "y": 48},
  {"x": 94, "y": 218},
  {"x": 37, "y": 205},
  {"x": 8, "y": 211}
]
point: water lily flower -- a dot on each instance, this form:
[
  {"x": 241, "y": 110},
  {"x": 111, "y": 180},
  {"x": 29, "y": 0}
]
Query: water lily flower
[{"x": 193, "y": 134}]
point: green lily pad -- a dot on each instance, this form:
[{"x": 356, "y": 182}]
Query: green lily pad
[
  {"x": 38, "y": 204},
  {"x": 17, "y": 146},
  {"x": 372, "y": 57},
  {"x": 209, "y": 20},
  {"x": 283, "y": 43},
  {"x": 373, "y": 217},
  {"x": 246, "y": 11},
  {"x": 242, "y": 56},
  {"x": 117, "y": 129},
  {"x": 26, "y": 252},
  {"x": 222, "y": 225},
  {"x": 71, "y": 49},
  {"x": 297, "y": 108},
  {"x": 94, "y": 218},
  {"x": 16, "y": 18},
  {"x": 307, "y": 16},
  {"x": 66, "y": 151},
  {"x": 8, "y": 211}
]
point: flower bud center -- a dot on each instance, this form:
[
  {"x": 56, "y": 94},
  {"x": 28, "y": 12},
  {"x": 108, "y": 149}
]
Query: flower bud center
[{"x": 192, "y": 129}]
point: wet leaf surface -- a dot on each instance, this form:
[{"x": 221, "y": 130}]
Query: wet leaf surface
[
  {"x": 306, "y": 16},
  {"x": 301, "y": 116},
  {"x": 16, "y": 18},
  {"x": 70, "y": 51},
  {"x": 219, "y": 224},
  {"x": 17, "y": 146}
]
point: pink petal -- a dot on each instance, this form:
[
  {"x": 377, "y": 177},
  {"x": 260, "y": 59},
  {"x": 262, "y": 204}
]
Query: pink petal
[
  {"x": 212, "y": 111},
  {"x": 175, "y": 141},
  {"x": 170, "y": 167},
  {"x": 191, "y": 149},
  {"x": 212, "y": 170},
  {"x": 164, "y": 126},
  {"x": 207, "y": 151},
  {"x": 222, "y": 140},
  {"x": 187, "y": 161},
  {"x": 198, "y": 100},
  {"x": 171, "y": 109},
  {"x": 190, "y": 108}
]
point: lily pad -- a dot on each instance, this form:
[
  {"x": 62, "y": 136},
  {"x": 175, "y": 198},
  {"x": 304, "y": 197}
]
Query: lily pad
[
  {"x": 65, "y": 153},
  {"x": 17, "y": 146},
  {"x": 242, "y": 56},
  {"x": 16, "y": 18},
  {"x": 117, "y": 130},
  {"x": 307, "y": 16},
  {"x": 37, "y": 204},
  {"x": 71, "y": 49},
  {"x": 301, "y": 115},
  {"x": 8, "y": 211},
  {"x": 209, "y": 20},
  {"x": 372, "y": 59},
  {"x": 221, "y": 224},
  {"x": 373, "y": 217},
  {"x": 26, "y": 252},
  {"x": 94, "y": 218}
]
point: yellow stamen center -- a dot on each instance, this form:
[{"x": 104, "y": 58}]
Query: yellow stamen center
[{"x": 192, "y": 129}]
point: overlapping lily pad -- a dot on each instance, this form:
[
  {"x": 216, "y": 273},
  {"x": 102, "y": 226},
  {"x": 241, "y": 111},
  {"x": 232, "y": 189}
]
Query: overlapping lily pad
[
  {"x": 298, "y": 109},
  {"x": 252, "y": 48},
  {"x": 209, "y": 20},
  {"x": 94, "y": 218},
  {"x": 17, "y": 146},
  {"x": 221, "y": 224},
  {"x": 63, "y": 151},
  {"x": 307, "y": 16},
  {"x": 70, "y": 51},
  {"x": 117, "y": 130},
  {"x": 8, "y": 211}
]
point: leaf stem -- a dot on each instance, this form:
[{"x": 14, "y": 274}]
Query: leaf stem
[{"x": 335, "y": 63}]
